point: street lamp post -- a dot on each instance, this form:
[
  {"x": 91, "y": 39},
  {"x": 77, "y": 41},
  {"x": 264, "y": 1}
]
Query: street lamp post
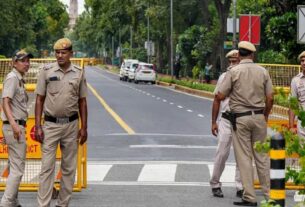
[
  {"x": 172, "y": 50},
  {"x": 234, "y": 24}
]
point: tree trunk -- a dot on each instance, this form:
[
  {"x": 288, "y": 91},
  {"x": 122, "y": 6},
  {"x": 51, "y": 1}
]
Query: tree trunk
[
  {"x": 223, "y": 10},
  {"x": 205, "y": 14}
]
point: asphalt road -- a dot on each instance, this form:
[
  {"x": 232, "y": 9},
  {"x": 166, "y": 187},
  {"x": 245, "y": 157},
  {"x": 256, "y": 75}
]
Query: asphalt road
[{"x": 148, "y": 146}]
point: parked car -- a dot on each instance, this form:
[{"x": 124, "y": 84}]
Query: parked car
[
  {"x": 132, "y": 71},
  {"x": 145, "y": 73},
  {"x": 125, "y": 68}
]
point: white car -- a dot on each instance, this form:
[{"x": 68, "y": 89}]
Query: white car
[
  {"x": 132, "y": 71},
  {"x": 125, "y": 67},
  {"x": 145, "y": 73}
]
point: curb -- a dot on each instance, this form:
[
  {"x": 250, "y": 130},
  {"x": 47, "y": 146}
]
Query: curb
[{"x": 200, "y": 93}]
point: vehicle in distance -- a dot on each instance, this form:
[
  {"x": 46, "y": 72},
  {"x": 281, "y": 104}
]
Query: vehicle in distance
[
  {"x": 125, "y": 68},
  {"x": 145, "y": 72}
]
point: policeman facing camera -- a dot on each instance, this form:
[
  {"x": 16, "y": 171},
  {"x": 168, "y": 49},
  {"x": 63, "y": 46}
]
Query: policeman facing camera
[{"x": 61, "y": 95}]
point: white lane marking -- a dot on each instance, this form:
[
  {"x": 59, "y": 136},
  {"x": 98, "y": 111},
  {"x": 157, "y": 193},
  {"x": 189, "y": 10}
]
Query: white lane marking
[
  {"x": 97, "y": 172},
  {"x": 181, "y": 107},
  {"x": 148, "y": 94},
  {"x": 146, "y": 162},
  {"x": 171, "y": 103},
  {"x": 188, "y": 94},
  {"x": 153, "y": 96},
  {"x": 162, "y": 135},
  {"x": 134, "y": 183},
  {"x": 228, "y": 174},
  {"x": 200, "y": 115},
  {"x": 158, "y": 173},
  {"x": 189, "y": 110},
  {"x": 158, "y": 98},
  {"x": 164, "y": 100},
  {"x": 173, "y": 146}
]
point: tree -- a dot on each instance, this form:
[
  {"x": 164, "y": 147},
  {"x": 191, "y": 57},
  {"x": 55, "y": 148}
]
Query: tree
[
  {"x": 223, "y": 9},
  {"x": 32, "y": 24}
]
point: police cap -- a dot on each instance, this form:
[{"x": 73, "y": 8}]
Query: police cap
[
  {"x": 63, "y": 44},
  {"x": 301, "y": 55},
  {"x": 232, "y": 54},
  {"x": 20, "y": 54},
  {"x": 247, "y": 46}
]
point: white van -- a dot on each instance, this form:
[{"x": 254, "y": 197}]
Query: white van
[{"x": 125, "y": 68}]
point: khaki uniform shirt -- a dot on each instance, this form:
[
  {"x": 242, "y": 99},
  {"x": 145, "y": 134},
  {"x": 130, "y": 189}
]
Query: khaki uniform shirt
[
  {"x": 247, "y": 84},
  {"x": 62, "y": 90},
  {"x": 298, "y": 88},
  {"x": 224, "y": 105},
  {"x": 13, "y": 88}
]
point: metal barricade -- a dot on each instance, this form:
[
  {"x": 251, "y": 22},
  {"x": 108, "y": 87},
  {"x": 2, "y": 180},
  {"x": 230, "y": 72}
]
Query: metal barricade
[{"x": 30, "y": 179}]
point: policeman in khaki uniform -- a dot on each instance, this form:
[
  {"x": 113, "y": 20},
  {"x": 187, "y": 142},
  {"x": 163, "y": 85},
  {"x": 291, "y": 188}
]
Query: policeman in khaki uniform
[
  {"x": 298, "y": 90},
  {"x": 61, "y": 95},
  {"x": 14, "y": 116},
  {"x": 221, "y": 127},
  {"x": 251, "y": 98}
]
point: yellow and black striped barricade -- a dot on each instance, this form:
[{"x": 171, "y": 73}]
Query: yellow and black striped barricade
[
  {"x": 277, "y": 169},
  {"x": 30, "y": 180}
]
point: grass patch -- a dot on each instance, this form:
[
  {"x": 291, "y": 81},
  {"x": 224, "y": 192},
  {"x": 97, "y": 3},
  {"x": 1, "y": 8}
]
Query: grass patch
[{"x": 189, "y": 84}]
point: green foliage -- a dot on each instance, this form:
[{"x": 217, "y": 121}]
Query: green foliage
[
  {"x": 269, "y": 203},
  {"x": 189, "y": 84},
  {"x": 2, "y": 56},
  {"x": 195, "y": 44},
  {"x": 271, "y": 57},
  {"x": 262, "y": 147},
  {"x": 196, "y": 72},
  {"x": 33, "y": 24}
]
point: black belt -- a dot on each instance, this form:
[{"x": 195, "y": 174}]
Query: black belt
[
  {"x": 225, "y": 116},
  {"x": 19, "y": 122},
  {"x": 248, "y": 113},
  {"x": 60, "y": 120}
]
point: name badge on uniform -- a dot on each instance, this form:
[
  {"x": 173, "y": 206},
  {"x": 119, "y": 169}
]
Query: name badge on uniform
[{"x": 54, "y": 78}]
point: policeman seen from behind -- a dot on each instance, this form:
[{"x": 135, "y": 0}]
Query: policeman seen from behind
[
  {"x": 298, "y": 91},
  {"x": 221, "y": 127},
  {"x": 251, "y": 98},
  {"x": 14, "y": 116},
  {"x": 61, "y": 94}
]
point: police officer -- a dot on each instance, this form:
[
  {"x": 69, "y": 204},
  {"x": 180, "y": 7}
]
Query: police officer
[
  {"x": 298, "y": 91},
  {"x": 14, "y": 116},
  {"x": 251, "y": 98},
  {"x": 61, "y": 94},
  {"x": 221, "y": 127}
]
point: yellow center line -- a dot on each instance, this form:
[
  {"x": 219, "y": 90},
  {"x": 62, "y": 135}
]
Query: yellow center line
[{"x": 116, "y": 117}]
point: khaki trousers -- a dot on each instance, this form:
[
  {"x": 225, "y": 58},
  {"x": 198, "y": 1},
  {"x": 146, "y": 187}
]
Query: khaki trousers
[
  {"x": 66, "y": 136},
  {"x": 16, "y": 158},
  {"x": 249, "y": 130},
  {"x": 222, "y": 153}
]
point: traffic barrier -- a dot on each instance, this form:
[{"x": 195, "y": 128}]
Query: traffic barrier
[
  {"x": 281, "y": 74},
  {"x": 277, "y": 169},
  {"x": 30, "y": 180}
]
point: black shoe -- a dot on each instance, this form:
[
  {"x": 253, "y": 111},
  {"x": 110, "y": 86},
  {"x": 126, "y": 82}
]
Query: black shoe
[
  {"x": 244, "y": 203},
  {"x": 217, "y": 192},
  {"x": 239, "y": 193}
]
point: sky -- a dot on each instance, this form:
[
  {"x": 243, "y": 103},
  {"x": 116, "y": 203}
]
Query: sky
[{"x": 80, "y": 5}]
